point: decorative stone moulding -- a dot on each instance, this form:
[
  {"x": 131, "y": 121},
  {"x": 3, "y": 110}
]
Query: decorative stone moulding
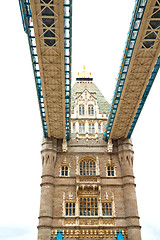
[
  {"x": 89, "y": 222},
  {"x": 88, "y": 189},
  {"x": 110, "y": 146},
  {"x": 89, "y": 233},
  {"x": 64, "y": 145}
]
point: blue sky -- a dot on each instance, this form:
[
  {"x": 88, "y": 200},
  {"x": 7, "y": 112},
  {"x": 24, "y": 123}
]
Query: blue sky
[{"x": 99, "y": 35}]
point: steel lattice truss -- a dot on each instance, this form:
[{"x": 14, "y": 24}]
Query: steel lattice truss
[
  {"x": 138, "y": 69},
  {"x": 50, "y": 36},
  {"x": 50, "y": 45}
]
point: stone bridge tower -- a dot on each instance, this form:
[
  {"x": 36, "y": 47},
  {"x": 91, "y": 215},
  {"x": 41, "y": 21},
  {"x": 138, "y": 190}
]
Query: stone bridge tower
[{"x": 88, "y": 191}]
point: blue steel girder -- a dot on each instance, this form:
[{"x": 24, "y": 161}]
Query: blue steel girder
[
  {"x": 49, "y": 16},
  {"x": 137, "y": 71},
  {"x": 28, "y": 28}
]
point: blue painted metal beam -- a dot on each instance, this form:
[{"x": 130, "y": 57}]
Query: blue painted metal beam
[
  {"x": 28, "y": 28},
  {"x": 127, "y": 55},
  {"x": 68, "y": 62}
]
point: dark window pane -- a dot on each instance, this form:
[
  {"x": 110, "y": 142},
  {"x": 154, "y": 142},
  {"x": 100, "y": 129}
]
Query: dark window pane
[{"x": 66, "y": 212}]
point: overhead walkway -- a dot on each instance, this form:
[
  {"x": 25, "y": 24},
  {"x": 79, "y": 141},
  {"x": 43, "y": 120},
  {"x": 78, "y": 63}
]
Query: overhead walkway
[
  {"x": 139, "y": 66},
  {"x": 48, "y": 24}
]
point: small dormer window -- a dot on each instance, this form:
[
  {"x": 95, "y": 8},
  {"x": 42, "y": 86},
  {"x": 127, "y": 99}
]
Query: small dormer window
[
  {"x": 107, "y": 208},
  {"x": 81, "y": 109},
  {"x": 110, "y": 170},
  {"x": 90, "y": 110},
  {"x": 64, "y": 171}
]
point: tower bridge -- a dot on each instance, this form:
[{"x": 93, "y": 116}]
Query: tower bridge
[
  {"x": 91, "y": 181},
  {"x": 48, "y": 25}
]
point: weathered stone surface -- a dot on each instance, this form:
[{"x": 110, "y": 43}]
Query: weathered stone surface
[{"x": 57, "y": 189}]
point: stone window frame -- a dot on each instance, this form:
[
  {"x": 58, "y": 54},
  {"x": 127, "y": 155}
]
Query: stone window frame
[
  {"x": 90, "y": 169},
  {"x": 81, "y": 110},
  {"x": 107, "y": 208},
  {"x": 99, "y": 128},
  {"x": 90, "y": 109},
  {"x": 110, "y": 170},
  {"x": 68, "y": 170},
  {"x": 70, "y": 208},
  {"x": 91, "y": 128},
  {"x": 88, "y": 206},
  {"x": 74, "y": 127},
  {"x": 82, "y": 128}
]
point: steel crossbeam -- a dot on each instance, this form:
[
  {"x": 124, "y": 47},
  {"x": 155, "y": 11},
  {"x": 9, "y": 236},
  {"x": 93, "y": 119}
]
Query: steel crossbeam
[
  {"x": 138, "y": 69},
  {"x": 50, "y": 43}
]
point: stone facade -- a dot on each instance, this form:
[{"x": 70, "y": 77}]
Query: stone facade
[{"x": 89, "y": 190}]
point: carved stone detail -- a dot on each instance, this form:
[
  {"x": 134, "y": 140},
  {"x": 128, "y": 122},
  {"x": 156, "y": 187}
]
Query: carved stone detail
[
  {"x": 110, "y": 146},
  {"x": 88, "y": 222},
  {"x": 70, "y": 222},
  {"x": 90, "y": 233},
  {"x": 64, "y": 145}
]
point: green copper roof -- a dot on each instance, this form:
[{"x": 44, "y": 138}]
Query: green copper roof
[{"x": 103, "y": 105}]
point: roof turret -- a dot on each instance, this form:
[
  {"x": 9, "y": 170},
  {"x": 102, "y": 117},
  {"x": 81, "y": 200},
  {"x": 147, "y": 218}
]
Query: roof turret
[
  {"x": 84, "y": 76},
  {"x": 84, "y": 81}
]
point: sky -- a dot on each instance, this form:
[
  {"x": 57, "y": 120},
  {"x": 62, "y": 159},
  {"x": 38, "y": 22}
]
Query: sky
[{"x": 99, "y": 33}]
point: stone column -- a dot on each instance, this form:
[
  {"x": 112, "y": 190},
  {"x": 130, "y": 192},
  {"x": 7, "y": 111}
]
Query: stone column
[
  {"x": 125, "y": 152},
  {"x": 48, "y": 153}
]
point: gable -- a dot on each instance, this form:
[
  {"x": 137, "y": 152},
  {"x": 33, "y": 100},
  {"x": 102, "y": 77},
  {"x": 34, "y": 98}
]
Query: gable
[{"x": 79, "y": 89}]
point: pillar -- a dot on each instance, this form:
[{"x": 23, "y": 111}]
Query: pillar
[
  {"x": 48, "y": 153},
  {"x": 125, "y": 155}
]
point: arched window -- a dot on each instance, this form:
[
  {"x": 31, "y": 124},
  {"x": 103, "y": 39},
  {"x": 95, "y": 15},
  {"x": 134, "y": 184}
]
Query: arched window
[
  {"x": 64, "y": 171},
  {"x": 90, "y": 110},
  {"x": 81, "y": 109},
  {"x": 107, "y": 208},
  {"x": 87, "y": 167}
]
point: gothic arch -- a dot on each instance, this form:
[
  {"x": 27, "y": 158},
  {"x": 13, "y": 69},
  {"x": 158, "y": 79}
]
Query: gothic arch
[{"x": 87, "y": 166}]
